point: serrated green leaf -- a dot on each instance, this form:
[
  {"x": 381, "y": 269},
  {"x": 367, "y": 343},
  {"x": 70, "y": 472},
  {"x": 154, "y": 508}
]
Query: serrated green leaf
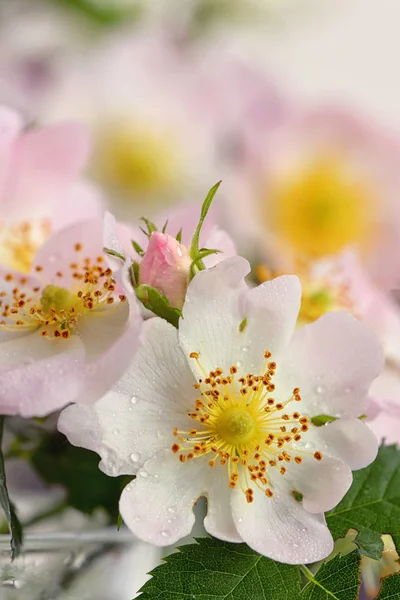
[
  {"x": 338, "y": 579},
  {"x": 390, "y": 589},
  {"x": 372, "y": 505},
  {"x": 215, "y": 570},
  {"x": 9, "y": 512},
  {"x": 155, "y": 301},
  {"x": 76, "y": 470}
]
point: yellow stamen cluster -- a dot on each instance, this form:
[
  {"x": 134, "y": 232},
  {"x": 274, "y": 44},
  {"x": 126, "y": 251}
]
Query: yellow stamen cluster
[
  {"x": 19, "y": 242},
  {"x": 54, "y": 310},
  {"x": 240, "y": 424}
]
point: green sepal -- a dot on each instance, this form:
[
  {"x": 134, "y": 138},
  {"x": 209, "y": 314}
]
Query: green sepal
[
  {"x": 320, "y": 420},
  {"x": 134, "y": 272},
  {"x": 138, "y": 248},
  {"x": 203, "y": 253},
  {"x": 151, "y": 228},
  {"x": 194, "y": 246},
  {"x": 178, "y": 236},
  {"x": 154, "y": 300},
  {"x": 114, "y": 253}
]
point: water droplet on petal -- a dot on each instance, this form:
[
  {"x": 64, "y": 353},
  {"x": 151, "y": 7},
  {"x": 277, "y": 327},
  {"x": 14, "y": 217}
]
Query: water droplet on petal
[
  {"x": 136, "y": 519},
  {"x": 115, "y": 431},
  {"x": 320, "y": 389},
  {"x": 133, "y": 400},
  {"x": 165, "y": 533},
  {"x": 171, "y": 509},
  {"x": 135, "y": 457},
  {"x": 245, "y": 348},
  {"x": 143, "y": 473}
]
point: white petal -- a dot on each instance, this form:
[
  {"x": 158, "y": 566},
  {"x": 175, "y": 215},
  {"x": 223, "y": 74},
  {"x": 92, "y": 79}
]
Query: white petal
[
  {"x": 322, "y": 483},
  {"x": 159, "y": 373},
  {"x": 218, "y": 521},
  {"x": 333, "y": 361},
  {"x": 158, "y": 505},
  {"x": 125, "y": 432},
  {"x": 218, "y": 301},
  {"x": 39, "y": 376},
  {"x": 347, "y": 439},
  {"x": 280, "y": 528}
]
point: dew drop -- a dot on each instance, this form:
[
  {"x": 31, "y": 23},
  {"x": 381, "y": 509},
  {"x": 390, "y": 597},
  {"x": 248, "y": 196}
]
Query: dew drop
[
  {"x": 320, "y": 389},
  {"x": 245, "y": 348},
  {"x": 179, "y": 251},
  {"x": 115, "y": 431},
  {"x": 136, "y": 519},
  {"x": 135, "y": 457},
  {"x": 133, "y": 400},
  {"x": 143, "y": 473},
  {"x": 171, "y": 509},
  {"x": 164, "y": 533}
]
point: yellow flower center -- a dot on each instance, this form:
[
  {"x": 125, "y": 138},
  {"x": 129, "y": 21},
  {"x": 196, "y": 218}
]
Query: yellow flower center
[
  {"x": 56, "y": 311},
  {"x": 322, "y": 209},
  {"x": 319, "y": 295},
  {"x": 136, "y": 161},
  {"x": 241, "y": 425},
  {"x": 19, "y": 243}
]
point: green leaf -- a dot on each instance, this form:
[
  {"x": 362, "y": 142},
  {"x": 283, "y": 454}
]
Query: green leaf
[
  {"x": 390, "y": 589},
  {"x": 338, "y": 579},
  {"x": 76, "y": 469},
  {"x": 194, "y": 246},
  {"x": 13, "y": 523},
  {"x": 164, "y": 229},
  {"x": 215, "y": 570},
  {"x": 372, "y": 505},
  {"x": 155, "y": 301}
]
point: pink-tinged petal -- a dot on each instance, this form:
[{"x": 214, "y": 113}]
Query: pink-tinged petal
[
  {"x": 280, "y": 528},
  {"x": 83, "y": 202},
  {"x": 322, "y": 483},
  {"x": 59, "y": 251},
  {"x": 218, "y": 521},
  {"x": 10, "y": 127},
  {"x": 112, "y": 241},
  {"x": 45, "y": 162},
  {"x": 158, "y": 505},
  {"x": 39, "y": 376},
  {"x": 384, "y": 418},
  {"x": 219, "y": 240},
  {"x": 333, "y": 361},
  {"x": 159, "y": 373},
  {"x": 121, "y": 429},
  {"x": 228, "y": 324},
  {"x": 111, "y": 341},
  {"x": 347, "y": 439}
]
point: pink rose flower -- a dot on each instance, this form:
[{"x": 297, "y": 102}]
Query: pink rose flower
[
  {"x": 68, "y": 330},
  {"x": 166, "y": 267}
]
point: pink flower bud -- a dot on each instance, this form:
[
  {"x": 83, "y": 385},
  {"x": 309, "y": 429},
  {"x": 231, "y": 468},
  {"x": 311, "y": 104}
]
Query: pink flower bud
[{"x": 166, "y": 267}]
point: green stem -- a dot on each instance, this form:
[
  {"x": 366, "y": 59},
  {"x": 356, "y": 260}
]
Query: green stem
[{"x": 49, "y": 512}]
